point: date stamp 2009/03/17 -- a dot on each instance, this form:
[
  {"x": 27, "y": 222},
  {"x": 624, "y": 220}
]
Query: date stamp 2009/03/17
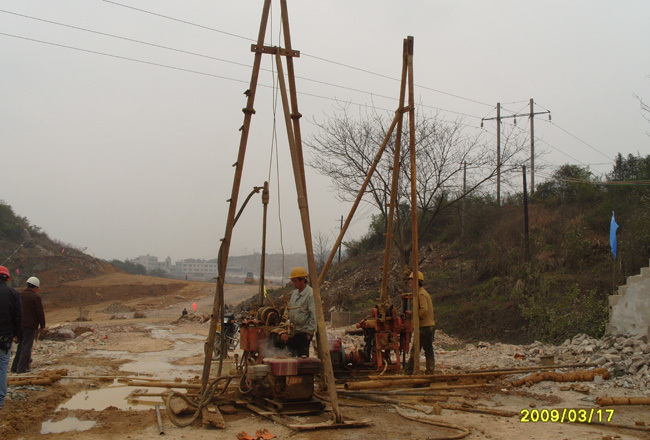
[{"x": 566, "y": 415}]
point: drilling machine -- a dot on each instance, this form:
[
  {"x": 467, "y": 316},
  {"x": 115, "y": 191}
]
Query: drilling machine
[
  {"x": 387, "y": 337},
  {"x": 270, "y": 377}
]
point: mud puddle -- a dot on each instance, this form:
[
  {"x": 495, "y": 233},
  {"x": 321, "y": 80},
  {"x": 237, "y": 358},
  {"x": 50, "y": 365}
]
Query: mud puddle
[
  {"x": 66, "y": 425},
  {"x": 120, "y": 397}
]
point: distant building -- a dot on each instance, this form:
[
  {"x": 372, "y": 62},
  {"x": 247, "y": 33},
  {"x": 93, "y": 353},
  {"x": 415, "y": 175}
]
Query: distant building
[
  {"x": 194, "y": 268},
  {"x": 238, "y": 267},
  {"x": 150, "y": 262}
]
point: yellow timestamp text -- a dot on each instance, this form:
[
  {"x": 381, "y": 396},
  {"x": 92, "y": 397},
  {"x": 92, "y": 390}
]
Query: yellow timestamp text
[{"x": 566, "y": 415}]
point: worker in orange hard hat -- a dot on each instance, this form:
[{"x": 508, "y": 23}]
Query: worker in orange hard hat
[
  {"x": 302, "y": 313},
  {"x": 427, "y": 326}
]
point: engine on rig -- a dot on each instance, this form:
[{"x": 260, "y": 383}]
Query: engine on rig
[
  {"x": 387, "y": 338},
  {"x": 270, "y": 376}
]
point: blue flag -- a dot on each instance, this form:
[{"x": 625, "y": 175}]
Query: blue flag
[{"x": 612, "y": 235}]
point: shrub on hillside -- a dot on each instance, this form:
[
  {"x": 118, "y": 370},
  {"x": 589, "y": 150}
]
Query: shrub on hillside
[{"x": 554, "y": 314}]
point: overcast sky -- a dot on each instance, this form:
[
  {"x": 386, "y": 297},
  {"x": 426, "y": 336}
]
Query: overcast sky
[{"x": 127, "y": 148}]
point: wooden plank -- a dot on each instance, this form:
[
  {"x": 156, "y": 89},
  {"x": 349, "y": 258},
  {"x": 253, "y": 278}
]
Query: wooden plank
[
  {"x": 212, "y": 416},
  {"x": 274, "y": 50}
]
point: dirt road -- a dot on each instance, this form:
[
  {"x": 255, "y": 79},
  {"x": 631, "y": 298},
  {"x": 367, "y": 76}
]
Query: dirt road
[{"x": 89, "y": 403}]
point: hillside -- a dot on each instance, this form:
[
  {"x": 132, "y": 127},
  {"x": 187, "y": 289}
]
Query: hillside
[
  {"x": 488, "y": 281},
  {"x": 29, "y": 251},
  {"x": 484, "y": 285}
]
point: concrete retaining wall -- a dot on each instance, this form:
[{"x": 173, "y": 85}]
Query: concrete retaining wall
[{"x": 629, "y": 310}]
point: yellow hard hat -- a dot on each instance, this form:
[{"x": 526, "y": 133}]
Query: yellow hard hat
[
  {"x": 420, "y": 276},
  {"x": 298, "y": 272}
]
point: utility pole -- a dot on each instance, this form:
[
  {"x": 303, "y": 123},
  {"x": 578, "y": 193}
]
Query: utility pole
[
  {"x": 498, "y": 118},
  {"x": 498, "y": 154},
  {"x": 532, "y": 150},
  {"x": 341, "y": 228},
  {"x": 526, "y": 233},
  {"x": 464, "y": 204},
  {"x": 532, "y": 144}
]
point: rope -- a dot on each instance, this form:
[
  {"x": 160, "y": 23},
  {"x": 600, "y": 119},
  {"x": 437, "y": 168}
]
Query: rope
[
  {"x": 464, "y": 432},
  {"x": 205, "y": 399},
  {"x": 274, "y": 147}
]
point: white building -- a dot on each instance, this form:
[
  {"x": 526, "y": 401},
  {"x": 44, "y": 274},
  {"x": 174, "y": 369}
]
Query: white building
[{"x": 150, "y": 262}]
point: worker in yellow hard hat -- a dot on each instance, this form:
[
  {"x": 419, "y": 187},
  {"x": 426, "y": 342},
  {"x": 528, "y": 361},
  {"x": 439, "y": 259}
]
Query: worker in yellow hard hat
[
  {"x": 427, "y": 326},
  {"x": 302, "y": 313}
]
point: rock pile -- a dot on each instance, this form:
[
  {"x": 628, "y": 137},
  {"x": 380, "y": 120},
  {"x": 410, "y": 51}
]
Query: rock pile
[
  {"x": 626, "y": 357},
  {"x": 117, "y": 307}
]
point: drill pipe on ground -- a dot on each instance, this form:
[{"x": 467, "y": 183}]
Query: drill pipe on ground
[
  {"x": 610, "y": 401},
  {"x": 160, "y": 425},
  {"x": 453, "y": 407},
  {"x": 480, "y": 373},
  {"x": 573, "y": 376}
]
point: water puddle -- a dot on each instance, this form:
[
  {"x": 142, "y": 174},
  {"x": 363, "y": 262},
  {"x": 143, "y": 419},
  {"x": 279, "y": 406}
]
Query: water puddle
[
  {"x": 163, "y": 364},
  {"x": 65, "y": 425},
  {"x": 117, "y": 396}
]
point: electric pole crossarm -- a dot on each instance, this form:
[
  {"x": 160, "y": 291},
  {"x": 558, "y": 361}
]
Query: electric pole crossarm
[{"x": 516, "y": 116}]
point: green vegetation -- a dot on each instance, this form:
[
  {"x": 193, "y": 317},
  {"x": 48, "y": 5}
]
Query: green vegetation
[
  {"x": 130, "y": 267},
  {"x": 475, "y": 262}
]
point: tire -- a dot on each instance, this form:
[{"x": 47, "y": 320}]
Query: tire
[
  {"x": 217, "y": 345},
  {"x": 233, "y": 341}
]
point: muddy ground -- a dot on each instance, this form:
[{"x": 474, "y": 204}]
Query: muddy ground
[{"x": 109, "y": 343}]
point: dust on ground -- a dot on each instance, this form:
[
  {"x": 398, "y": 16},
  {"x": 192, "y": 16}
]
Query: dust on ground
[{"x": 160, "y": 345}]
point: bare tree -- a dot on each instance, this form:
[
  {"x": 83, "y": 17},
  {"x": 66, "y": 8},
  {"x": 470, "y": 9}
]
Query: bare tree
[
  {"x": 344, "y": 150},
  {"x": 645, "y": 110},
  {"x": 322, "y": 249}
]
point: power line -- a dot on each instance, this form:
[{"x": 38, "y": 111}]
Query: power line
[
  {"x": 248, "y": 66},
  {"x": 580, "y": 140},
  {"x": 595, "y": 182},
  {"x": 182, "y": 69},
  {"x": 226, "y": 61},
  {"x": 125, "y": 58},
  {"x": 180, "y": 21},
  {"x": 302, "y": 53}
]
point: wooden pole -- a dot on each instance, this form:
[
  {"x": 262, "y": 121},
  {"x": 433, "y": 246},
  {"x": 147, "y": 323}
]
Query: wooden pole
[
  {"x": 414, "y": 214},
  {"x": 498, "y": 154},
  {"x": 532, "y": 149},
  {"x": 383, "y": 295},
  {"x": 239, "y": 165},
  {"x": 299, "y": 177},
  {"x": 374, "y": 384},
  {"x": 526, "y": 232},
  {"x": 463, "y": 215}
]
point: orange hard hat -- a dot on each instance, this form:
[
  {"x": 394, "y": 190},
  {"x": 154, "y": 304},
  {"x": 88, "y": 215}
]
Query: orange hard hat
[{"x": 4, "y": 271}]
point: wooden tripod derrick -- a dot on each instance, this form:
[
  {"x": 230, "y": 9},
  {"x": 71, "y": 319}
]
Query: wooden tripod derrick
[
  {"x": 292, "y": 122},
  {"x": 407, "y": 80}
]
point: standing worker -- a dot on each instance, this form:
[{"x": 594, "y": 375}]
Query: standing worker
[
  {"x": 33, "y": 317},
  {"x": 11, "y": 315},
  {"x": 302, "y": 313},
  {"x": 427, "y": 326}
]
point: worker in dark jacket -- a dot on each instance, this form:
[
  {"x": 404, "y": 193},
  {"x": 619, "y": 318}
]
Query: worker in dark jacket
[
  {"x": 33, "y": 317},
  {"x": 11, "y": 315}
]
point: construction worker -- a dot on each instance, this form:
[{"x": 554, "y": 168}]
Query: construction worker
[
  {"x": 33, "y": 317},
  {"x": 302, "y": 313},
  {"x": 427, "y": 326},
  {"x": 11, "y": 315}
]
